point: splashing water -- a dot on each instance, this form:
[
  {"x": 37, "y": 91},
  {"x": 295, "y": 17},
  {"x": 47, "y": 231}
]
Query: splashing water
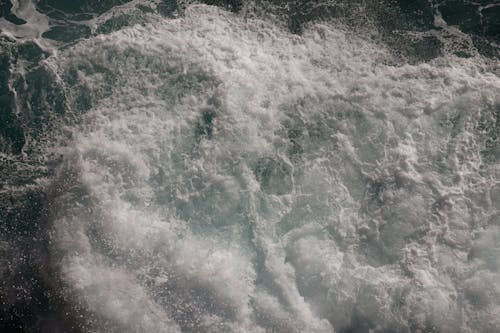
[{"x": 226, "y": 175}]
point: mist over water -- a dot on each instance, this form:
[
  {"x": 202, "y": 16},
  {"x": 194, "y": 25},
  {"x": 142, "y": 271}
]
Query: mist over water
[{"x": 261, "y": 166}]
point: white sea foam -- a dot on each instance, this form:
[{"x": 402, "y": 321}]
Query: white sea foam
[
  {"x": 36, "y": 23},
  {"x": 235, "y": 177}
]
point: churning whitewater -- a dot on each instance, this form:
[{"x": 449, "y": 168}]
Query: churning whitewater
[{"x": 223, "y": 174}]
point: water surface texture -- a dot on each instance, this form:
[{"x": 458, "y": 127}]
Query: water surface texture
[{"x": 250, "y": 166}]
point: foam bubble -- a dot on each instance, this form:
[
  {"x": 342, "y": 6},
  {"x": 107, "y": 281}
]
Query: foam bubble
[{"x": 235, "y": 177}]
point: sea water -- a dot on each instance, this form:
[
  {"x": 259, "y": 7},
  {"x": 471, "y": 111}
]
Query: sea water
[{"x": 214, "y": 170}]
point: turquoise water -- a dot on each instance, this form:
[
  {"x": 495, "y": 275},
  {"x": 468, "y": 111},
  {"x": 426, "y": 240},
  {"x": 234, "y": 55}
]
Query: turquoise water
[{"x": 263, "y": 166}]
